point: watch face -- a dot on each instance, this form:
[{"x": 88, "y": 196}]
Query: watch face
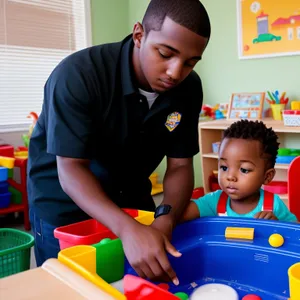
[{"x": 162, "y": 210}]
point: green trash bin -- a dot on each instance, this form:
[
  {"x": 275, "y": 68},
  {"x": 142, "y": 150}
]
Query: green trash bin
[{"x": 15, "y": 246}]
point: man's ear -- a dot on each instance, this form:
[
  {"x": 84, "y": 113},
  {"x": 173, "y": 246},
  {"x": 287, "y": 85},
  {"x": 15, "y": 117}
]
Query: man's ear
[
  {"x": 137, "y": 34},
  {"x": 269, "y": 175}
]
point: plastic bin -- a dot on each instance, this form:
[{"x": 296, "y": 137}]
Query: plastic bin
[
  {"x": 5, "y": 200},
  {"x": 3, "y": 174},
  {"x": 91, "y": 231},
  {"x": 3, "y": 187},
  {"x": 14, "y": 251}
]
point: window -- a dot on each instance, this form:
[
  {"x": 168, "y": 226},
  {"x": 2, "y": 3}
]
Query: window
[{"x": 35, "y": 35}]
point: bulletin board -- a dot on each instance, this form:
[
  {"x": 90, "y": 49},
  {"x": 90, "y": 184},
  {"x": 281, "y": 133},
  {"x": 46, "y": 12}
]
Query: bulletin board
[
  {"x": 268, "y": 28},
  {"x": 246, "y": 106}
]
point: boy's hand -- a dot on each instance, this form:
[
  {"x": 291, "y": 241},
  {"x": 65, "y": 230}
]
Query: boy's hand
[
  {"x": 145, "y": 248},
  {"x": 266, "y": 215}
]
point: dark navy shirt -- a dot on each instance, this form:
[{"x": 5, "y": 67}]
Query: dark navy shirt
[{"x": 92, "y": 110}]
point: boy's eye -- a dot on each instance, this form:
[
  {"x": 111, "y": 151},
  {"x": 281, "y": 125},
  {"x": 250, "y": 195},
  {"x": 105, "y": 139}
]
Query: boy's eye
[
  {"x": 223, "y": 168},
  {"x": 245, "y": 171}
]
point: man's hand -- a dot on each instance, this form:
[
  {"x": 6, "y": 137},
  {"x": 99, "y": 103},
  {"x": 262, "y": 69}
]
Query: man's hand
[
  {"x": 145, "y": 248},
  {"x": 266, "y": 215}
]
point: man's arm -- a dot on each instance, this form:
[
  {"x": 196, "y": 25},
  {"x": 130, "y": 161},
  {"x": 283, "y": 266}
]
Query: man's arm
[
  {"x": 178, "y": 187},
  {"x": 85, "y": 190}
]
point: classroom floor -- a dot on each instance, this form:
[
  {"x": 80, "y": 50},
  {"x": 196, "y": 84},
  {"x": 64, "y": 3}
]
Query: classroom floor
[{"x": 157, "y": 199}]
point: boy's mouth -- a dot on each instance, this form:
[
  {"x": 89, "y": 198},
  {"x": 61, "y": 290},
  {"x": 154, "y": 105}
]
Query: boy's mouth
[{"x": 231, "y": 190}]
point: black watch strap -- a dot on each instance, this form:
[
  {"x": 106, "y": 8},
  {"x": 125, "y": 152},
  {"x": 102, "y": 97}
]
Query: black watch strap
[{"x": 161, "y": 210}]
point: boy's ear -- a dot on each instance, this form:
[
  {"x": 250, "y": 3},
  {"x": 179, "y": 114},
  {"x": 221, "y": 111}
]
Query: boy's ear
[
  {"x": 269, "y": 175},
  {"x": 137, "y": 34}
]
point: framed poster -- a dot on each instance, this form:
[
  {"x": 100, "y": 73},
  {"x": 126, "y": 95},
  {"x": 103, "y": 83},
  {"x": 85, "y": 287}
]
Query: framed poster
[
  {"x": 268, "y": 28},
  {"x": 246, "y": 106}
]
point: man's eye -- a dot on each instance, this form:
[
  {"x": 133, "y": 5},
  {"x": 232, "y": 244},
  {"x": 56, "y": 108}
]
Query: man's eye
[{"x": 163, "y": 54}]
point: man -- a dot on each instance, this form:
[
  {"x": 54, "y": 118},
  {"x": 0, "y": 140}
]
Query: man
[{"x": 111, "y": 113}]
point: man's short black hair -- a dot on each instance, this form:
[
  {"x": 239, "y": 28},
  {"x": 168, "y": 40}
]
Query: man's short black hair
[
  {"x": 257, "y": 131},
  {"x": 188, "y": 13}
]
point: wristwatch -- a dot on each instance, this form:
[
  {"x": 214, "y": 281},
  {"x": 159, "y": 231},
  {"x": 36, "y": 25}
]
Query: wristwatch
[{"x": 161, "y": 210}]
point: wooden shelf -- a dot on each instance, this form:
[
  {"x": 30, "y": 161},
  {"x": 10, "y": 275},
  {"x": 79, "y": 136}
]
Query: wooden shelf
[
  {"x": 277, "y": 126},
  {"x": 277, "y": 166}
]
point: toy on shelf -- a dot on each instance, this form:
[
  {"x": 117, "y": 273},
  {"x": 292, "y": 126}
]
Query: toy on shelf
[
  {"x": 293, "y": 187},
  {"x": 18, "y": 201},
  {"x": 208, "y": 112},
  {"x": 277, "y": 104},
  {"x": 286, "y": 155},
  {"x": 206, "y": 255},
  {"x": 26, "y": 137}
]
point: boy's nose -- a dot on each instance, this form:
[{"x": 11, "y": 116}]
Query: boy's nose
[{"x": 231, "y": 178}]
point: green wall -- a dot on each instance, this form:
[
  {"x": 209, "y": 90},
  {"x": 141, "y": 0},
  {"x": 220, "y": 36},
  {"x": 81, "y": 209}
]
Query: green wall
[
  {"x": 221, "y": 71},
  {"x": 109, "y": 20}
]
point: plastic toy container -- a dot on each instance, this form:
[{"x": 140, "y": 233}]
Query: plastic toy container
[
  {"x": 294, "y": 277},
  {"x": 207, "y": 257},
  {"x": 5, "y": 200},
  {"x": 277, "y": 187},
  {"x": 291, "y": 117},
  {"x": 91, "y": 231},
  {"x": 285, "y": 159},
  {"x": 3, "y": 174},
  {"x": 14, "y": 251},
  {"x": 3, "y": 187}
]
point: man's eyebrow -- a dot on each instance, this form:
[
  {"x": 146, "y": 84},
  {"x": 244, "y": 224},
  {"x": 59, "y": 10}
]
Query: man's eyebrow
[{"x": 177, "y": 51}]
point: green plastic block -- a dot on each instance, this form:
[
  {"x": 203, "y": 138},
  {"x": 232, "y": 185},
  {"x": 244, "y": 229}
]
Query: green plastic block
[
  {"x": 182, "y": 296},
  {"x": 110, "y": 260},
  {"x": 10, "y": 173},
  {"x": 16, "y": 196}
]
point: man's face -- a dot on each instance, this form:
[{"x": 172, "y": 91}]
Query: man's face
[{"x": 166, "y": 57}]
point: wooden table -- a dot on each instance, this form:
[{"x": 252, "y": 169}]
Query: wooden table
[{"x": 52, "y": 281}]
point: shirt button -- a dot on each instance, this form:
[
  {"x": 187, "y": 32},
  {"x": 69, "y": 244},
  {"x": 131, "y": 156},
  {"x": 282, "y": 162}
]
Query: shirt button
[
  {"x": 121, "y": 192},
  {"x": 141, "y": 100}
]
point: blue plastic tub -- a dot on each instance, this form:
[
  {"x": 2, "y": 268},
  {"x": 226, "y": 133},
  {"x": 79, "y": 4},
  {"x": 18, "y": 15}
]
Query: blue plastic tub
[
  {"x": 3, "y": 174},
  {"x": 3, "y": 187},
  {"x": 285, "y": 159},
  {"x": 250, "y": 267},
  {"x": 5, "y": 200}
]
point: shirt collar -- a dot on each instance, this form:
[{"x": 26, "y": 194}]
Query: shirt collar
[{"x": 127, "y": 77}]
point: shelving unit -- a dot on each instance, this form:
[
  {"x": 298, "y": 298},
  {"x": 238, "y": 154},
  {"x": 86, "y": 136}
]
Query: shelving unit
[{"x": 211, "y": 132}]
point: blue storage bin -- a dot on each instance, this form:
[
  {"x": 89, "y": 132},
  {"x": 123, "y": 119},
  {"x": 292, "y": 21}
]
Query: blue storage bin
[
  {"x": 5, "y": 200},
  {"x": 3, "y": 187},
  {"x": 3, "y": 174},
  {"x": 285, "y": 159}
]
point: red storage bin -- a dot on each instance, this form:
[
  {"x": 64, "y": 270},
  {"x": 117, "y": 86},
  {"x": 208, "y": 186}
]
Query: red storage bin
[
  {"x": 7, "y": 150},
  {"x": 85, "y": 233},
  {"x": 277, "y": 187}
]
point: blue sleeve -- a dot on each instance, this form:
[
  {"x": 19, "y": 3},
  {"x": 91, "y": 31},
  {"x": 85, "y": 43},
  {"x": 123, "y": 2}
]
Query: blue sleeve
[
  {"x": 207, "y": 205},
  {"x": 282, "y": 212}
]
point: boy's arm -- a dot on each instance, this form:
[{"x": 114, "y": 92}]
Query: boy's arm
[
  {"x": 282, "y": 212},
  {"x": 192, "y": 212}
]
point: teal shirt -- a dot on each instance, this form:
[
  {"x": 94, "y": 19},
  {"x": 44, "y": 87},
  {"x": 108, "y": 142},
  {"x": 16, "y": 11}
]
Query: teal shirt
[{"x": 207, "y": 206}]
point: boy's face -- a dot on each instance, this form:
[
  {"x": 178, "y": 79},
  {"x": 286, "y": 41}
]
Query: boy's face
[
  {"x": 166, "y": 57},
  {"x": 242, "y": 168}
]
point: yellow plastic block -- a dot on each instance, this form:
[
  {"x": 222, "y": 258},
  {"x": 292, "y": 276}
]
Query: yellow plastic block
[
  {"x": 21, "y": 154},
  {"x": 239, "y": 233},
  {"x": 7, "y": 162},
  {"x": 82, "y": 260},
  {"x": 145, "y": 217},
  {"x": 294, "y": 281}
]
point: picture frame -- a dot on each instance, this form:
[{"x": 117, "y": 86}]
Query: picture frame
[{"x": 246, "y": 106}]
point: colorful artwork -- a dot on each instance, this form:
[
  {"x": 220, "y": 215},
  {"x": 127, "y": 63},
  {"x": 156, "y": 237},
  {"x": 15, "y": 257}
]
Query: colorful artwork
[
  {"x": 268, "y": 28},
  {"x": 246, "y": 106},
  {"x": 173, "y": 120}
]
